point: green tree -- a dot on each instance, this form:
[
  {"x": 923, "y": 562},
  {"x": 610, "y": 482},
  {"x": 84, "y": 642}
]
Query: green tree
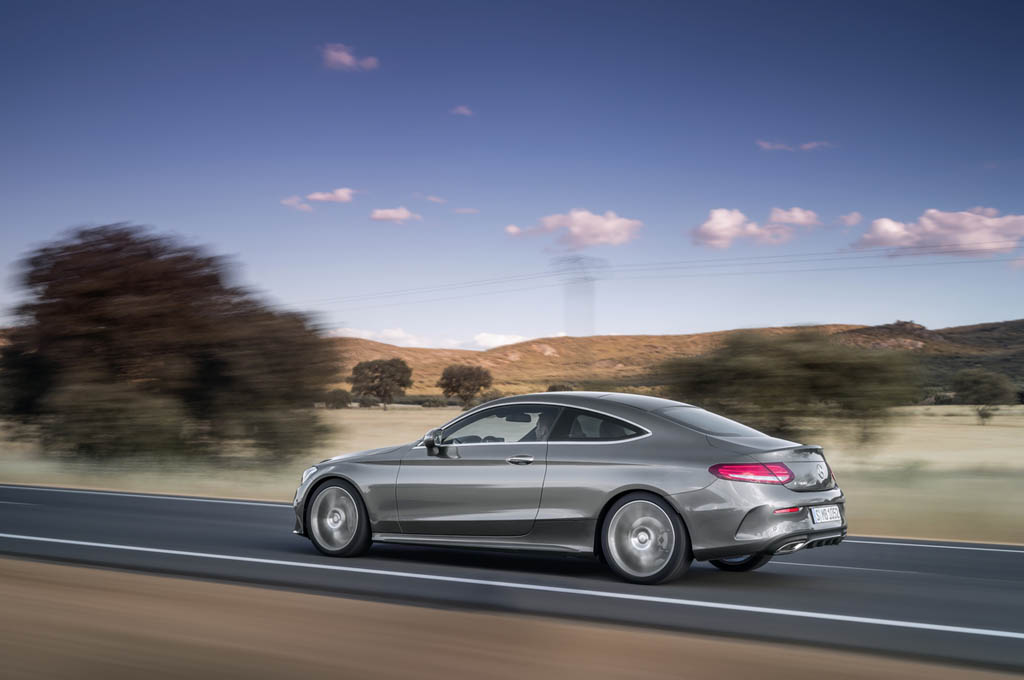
[
  {"x": 780, "y": 383},
  {"x": 141, "y": 324},
  {"x": 464, "y": 382},
  {"x": 984, "y": 390},
  {"x": 384, "y": 379}
]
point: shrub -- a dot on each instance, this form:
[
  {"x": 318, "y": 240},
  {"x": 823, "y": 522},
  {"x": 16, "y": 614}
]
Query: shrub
[
  {"x": 984, "y": 390},
  {"x": 489, "y": 395},
  {"x": 338, "y": 398},
  {"x": 103, "y": 420},
  {"x": 368, "y": 401},
  {"x": 434, "y": 402}
]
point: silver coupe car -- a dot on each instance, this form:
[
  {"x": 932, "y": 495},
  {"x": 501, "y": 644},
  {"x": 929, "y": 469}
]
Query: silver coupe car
[{"x": 646, "y": 484}]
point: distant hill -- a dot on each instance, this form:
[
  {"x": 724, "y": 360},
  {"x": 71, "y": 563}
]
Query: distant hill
[{"x": 627, "y": 359}]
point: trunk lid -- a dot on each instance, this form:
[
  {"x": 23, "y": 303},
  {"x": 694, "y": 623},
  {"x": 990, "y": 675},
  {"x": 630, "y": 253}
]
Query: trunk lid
[{"x": 811, "y": 471}]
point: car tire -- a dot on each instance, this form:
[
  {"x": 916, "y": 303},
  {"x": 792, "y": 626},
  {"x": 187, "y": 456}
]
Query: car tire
[
  {"x": 742, "y": 563},
  {"x": 644, "y": 540},
  {"x": 336, "y": 520}
]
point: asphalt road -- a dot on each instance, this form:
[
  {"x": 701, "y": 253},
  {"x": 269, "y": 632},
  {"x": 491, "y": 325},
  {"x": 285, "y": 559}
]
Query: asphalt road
[{"x": 950, "y": 601}]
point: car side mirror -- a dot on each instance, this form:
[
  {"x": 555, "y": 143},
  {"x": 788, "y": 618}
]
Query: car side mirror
[{"x": 432, "y": 440}]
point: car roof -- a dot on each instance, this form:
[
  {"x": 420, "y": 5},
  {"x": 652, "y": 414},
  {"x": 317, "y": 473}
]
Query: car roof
[{"x": 642, "y": 402}]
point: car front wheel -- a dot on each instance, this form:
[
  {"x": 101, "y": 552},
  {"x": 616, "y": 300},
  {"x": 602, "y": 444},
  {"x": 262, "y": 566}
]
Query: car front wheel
[
  {"x": 337, "y": 520},
  {"x": 644, "y": 540}
]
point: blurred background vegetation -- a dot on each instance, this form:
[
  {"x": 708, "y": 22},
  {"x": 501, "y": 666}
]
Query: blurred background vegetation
[
  {"x": 131, "y": 343},
  {"x": 778, "y": 383}
]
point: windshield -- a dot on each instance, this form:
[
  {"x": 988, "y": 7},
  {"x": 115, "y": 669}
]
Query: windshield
[{"x": 707, "y": 422}]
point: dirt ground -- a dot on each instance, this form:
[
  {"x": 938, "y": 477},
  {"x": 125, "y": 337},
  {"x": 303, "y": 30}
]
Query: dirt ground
[
  {"x": 77, "y": 622},
  {"x": 930, "y": 471}
]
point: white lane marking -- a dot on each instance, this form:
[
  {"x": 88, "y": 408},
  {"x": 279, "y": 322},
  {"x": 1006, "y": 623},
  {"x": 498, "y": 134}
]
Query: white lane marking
[
  {"x": 836, "y": 566},
  {"x": 895, "y": 623},
  {"x": 16, "y": 503},
  {"x": 932, "y": 545},
  {"x": 162, "y": 497}
]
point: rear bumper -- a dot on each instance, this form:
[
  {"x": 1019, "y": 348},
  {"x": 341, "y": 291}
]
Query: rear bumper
[
  {"x": 728, "y": 519},
  {"x": 780, "y": 545}
]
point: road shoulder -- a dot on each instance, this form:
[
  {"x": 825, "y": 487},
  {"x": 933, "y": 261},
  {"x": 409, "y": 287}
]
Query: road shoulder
[{"x": 63, "y": 621}]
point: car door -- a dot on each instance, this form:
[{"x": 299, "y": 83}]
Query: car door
[{"x": 486, "y": 478}]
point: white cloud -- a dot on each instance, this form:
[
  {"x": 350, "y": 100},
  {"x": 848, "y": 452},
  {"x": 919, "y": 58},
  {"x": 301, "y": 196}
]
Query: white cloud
[
  {"x": 765, "y": 145},
  {"x": 397, "y": 215},
  {"x": 339, "y": 195},
  {"x": 795, "y": 215},
  {"x": 851, "y": 219},
  {"x": 583, "y": 228},
  {"x": 490, "y": 340},
  {"x": 436, "y": 199},
  {"x": 773, "y": 146},
  {"x": 466, "y": 211},
  {"x": 461, "y": 111},
  {"x": 970, "y": 231},
  {"x": 297, "y": 203},
  {"x": 724, "y": 226},
  {"x": 341, "y": 57}
]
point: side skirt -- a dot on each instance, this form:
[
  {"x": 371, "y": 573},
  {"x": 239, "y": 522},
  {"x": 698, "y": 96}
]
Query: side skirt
[{"x": 493, "y": 542}]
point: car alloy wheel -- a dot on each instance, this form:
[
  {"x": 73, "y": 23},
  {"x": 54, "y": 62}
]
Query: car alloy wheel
[
  {"x": 644, "y": 539},
  {"x": 337, "y": 520}
]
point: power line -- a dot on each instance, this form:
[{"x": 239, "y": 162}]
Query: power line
[
  {"x": 793, "y": 258},
  {"x": 695, "y": 275}
]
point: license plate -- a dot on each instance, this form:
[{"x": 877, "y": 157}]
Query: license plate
[{"x": 825, "y": 513}]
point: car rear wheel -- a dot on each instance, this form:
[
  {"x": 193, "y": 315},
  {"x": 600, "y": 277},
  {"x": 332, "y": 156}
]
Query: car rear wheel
[
  {"x": 337, "y": 520},
  {"x": 643, "y": 539},
  {"x": 742, "y": 562}
]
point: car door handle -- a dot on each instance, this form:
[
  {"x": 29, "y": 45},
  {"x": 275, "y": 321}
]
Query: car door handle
[{"x": 519, "y": 460}]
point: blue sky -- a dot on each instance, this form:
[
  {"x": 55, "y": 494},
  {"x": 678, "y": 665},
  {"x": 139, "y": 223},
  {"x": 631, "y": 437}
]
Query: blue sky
[{"x": 727, "y": 138}]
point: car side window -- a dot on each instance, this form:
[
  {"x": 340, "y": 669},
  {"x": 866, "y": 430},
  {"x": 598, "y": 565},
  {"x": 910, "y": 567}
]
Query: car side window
[
  {"x": 504, "y": 424},
  {"x": 577, "y": 425}
]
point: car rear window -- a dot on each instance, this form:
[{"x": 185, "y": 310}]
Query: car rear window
[
  {"x": 577, "y": 425},
  {"x": 707, "y": 422}
]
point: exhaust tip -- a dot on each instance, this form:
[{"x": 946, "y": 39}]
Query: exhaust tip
[{"x": 790, "y": 547}]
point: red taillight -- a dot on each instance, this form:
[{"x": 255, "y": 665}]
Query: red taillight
[
  {"x": 786, "y": 511},
  {"x": 761, "y": 473}
]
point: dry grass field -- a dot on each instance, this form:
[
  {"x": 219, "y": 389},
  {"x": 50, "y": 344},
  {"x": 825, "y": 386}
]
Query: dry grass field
[
  {"x": 930, "y": 472},
  {"x": 532, "y": 365},
  {"x": 629, "y": 359}
]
